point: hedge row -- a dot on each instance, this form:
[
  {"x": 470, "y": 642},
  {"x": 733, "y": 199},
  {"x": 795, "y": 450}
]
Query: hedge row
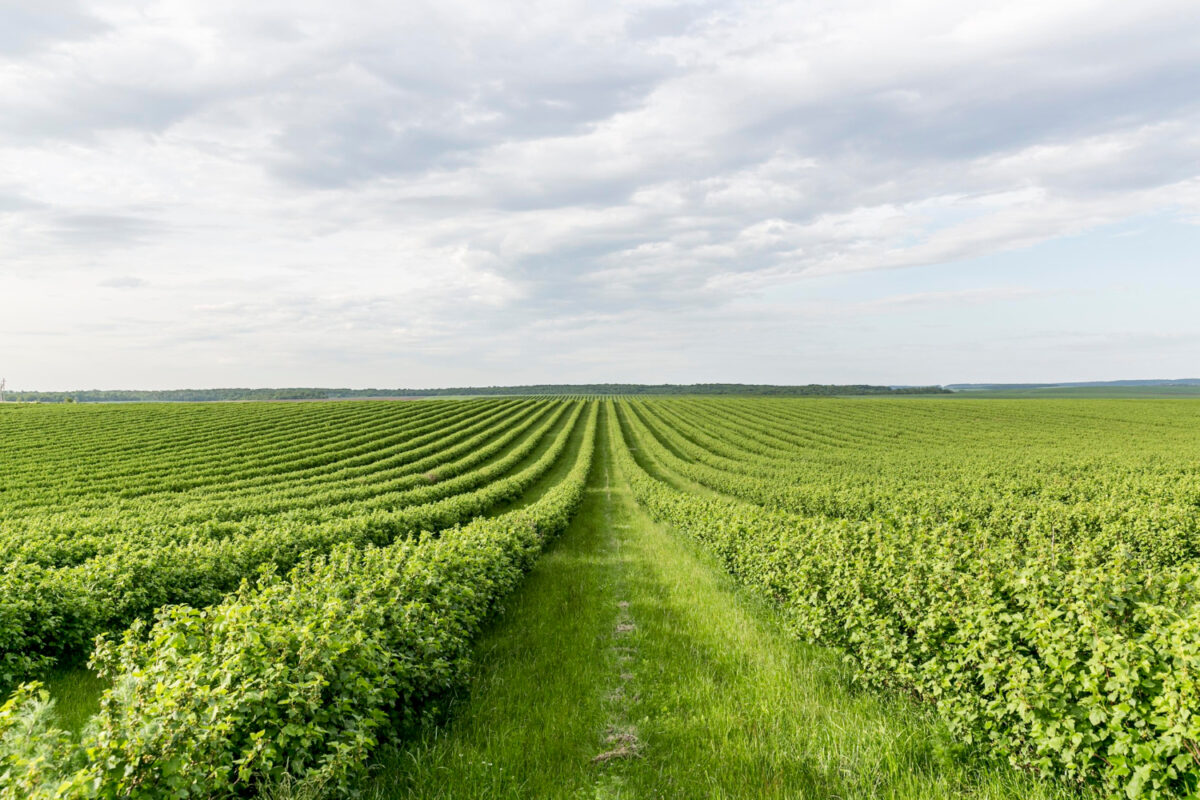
[
  {"x": 66, "y": 531},
  {"x": 48, "y": 615},
  {"x": 295, "y": 677},
  {"x": 1075, "y": 663}
]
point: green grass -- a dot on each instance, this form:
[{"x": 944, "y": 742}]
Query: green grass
[
  {"x": 626, "y": 643},
  {"x": 1093, "y": 392},
  {"x": 76, "y": 692}
]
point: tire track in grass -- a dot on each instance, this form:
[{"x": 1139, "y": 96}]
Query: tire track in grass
[{"x": 620, "y": 737}]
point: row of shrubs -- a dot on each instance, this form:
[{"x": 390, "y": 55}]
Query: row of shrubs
[
  {"x": 294, "y": 679},
  {"x": 64, "y": 530},
  {"x": 50, "y": 615},
  {"x": 1077, "y": 664},
  {"x": 1150, "y": 510}
]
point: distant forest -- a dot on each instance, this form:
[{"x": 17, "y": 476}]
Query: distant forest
[{"x": 216, "y": 395}]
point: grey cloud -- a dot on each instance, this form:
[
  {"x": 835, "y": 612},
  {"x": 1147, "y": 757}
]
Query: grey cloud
[
  {"x": 122, "y": 282},
  {"x": 27, "y": 26},
  {"x": 349, "y": 129},
  {"x": 103, "y": 229},
  {"x": 16, "y": 201},
  {"x": 667, "y": 20},
  {"x": 83, "y": 109}
]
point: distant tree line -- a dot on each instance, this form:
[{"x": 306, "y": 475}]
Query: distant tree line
[
  {"x": 170, "y": 395},
  {"x": 668, "y": 388},
  {"x": 219, "y": 395}
]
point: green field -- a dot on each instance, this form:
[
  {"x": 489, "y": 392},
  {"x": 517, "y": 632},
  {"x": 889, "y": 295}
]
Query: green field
[
  {"x": 565, "y": 597},
  {"x": 1103, "y": 392}
]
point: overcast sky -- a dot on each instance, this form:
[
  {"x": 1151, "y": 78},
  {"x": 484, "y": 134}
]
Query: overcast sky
[{"x": 218, "y": 193}]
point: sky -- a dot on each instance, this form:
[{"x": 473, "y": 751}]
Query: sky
[{"x": 421, "y": 194}]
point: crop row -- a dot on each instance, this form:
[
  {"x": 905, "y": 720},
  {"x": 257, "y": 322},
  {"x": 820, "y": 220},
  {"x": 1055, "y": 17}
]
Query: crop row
[
  {"x": 71, "y": 538},
  {"x": 214, "y": 471},
  {"x": 1152, "y": 510},
  {"x": 51, "y": 614},
  {"x": 86, "y": 448},
  {"x": 298, "y": 676},
  {"x": 1074, "y": 662}
]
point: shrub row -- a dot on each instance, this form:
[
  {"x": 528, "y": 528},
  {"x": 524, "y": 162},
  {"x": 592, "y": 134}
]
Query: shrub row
[
  {"x": 295, "y": 677},
  {"x": 1153, "y": 512},
  {"x": 1074, "y": 663},
  {"x": 47, "y": 615},
  {"x": 75, "y": 531}
]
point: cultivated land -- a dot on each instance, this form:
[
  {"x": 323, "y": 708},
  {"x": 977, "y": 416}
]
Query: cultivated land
[{"x": 557, "y": 597}]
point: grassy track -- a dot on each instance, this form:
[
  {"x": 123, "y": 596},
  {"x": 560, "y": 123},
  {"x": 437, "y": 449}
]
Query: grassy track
[{"x": 628, "y": 666}]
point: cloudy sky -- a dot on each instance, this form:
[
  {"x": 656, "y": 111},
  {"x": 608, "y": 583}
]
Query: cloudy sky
[{"x": 359, "y": 193}]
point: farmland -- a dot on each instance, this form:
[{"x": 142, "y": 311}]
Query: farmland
[{"x": 532, "y": 596}]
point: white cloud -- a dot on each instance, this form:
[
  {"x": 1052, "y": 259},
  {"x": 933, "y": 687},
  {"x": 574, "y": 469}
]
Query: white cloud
[{"x": 353, "y": 183}]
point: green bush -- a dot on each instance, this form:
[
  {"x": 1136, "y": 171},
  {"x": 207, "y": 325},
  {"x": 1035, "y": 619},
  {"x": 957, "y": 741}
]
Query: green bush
[
  {"x": 292, "y": 678},
  {"x": 1075, "y": 663},
  {"x": 51, "y": 614}
]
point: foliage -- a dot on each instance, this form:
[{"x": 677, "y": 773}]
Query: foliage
[
  {"x": 1072, "y": 648},
  {"x": 115, "y": 565},
  {"x": 284, "y": 585},
  {"x": 588, "y": 389},
  {"x": 287, "y": 679}
]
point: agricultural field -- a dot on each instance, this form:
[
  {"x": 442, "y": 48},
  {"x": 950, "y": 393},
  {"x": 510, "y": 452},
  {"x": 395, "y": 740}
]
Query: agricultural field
[{"x": 668, "y": 597}]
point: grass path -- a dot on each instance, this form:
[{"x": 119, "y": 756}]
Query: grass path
[{"x": 629, "y": 666}]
